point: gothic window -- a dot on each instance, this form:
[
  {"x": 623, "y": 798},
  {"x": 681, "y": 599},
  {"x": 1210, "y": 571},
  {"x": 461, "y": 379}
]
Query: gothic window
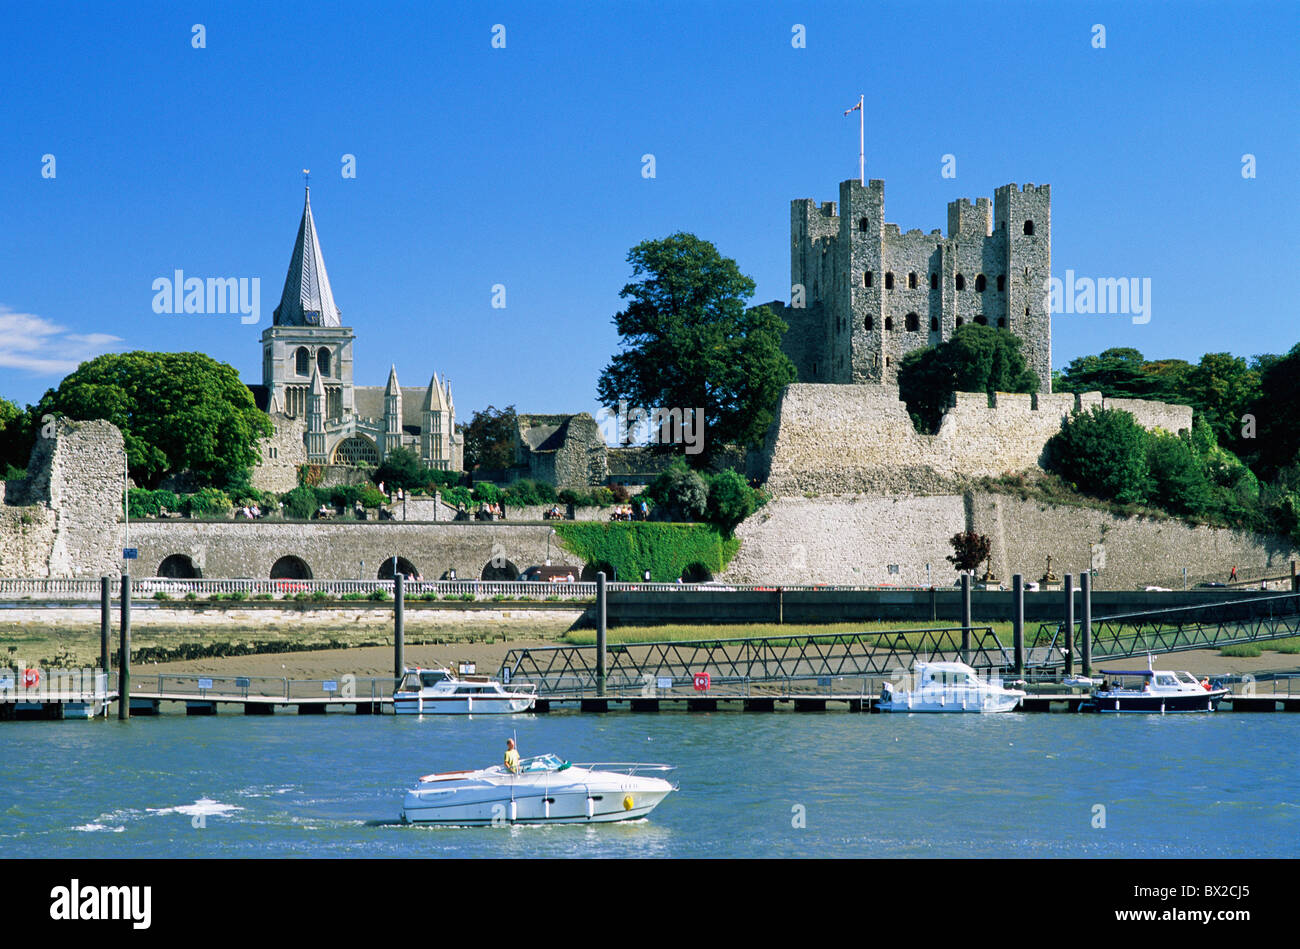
[
  {"x": 912, "y": 322},
  {"x": 867, "y": 322},
  {"x": 911, "y": 280},
  {"x": 980, "y": 283},
  {"x": 302, "y": 361},
  {"x": 357, "y": 450},
  {"x": 862, "y": 224},
  {"x": 889, "y": 280},
  {"x": 889, "y": 322},
  {"x": 323, "y": 361},
  {"x": 934, "y": 324},
  {"x": 1002, "y": 283},
  {"x": 934, "y": 281},
  {"x": 866, "y": 278},
  {"x": 982, "y": 320},
  {"x": 1029, "y": 227},
  {"x": 961, "y": 282}
]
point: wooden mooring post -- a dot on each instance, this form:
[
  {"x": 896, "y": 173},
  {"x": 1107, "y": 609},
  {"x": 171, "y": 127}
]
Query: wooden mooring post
[
  {"x": 1018, "y": 621},
  {"x": 600, "y": 633},
  {"x": 965, "y": 617},
  {"x": 105, "y": 620},
  {"x": 124, "y": 653},
  {"x": 1085, "y": 628},
  {"x": 1068, "y": 586},
  {"x": 399, "y": 627}
]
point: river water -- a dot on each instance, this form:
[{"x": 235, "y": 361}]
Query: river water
[{"x": 831, "y": 784}]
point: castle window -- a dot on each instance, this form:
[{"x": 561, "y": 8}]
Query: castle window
[
  {"x": 1002, "y": 283},
  {"x": 982, "y": 320},
  {"x": 980, "y": 283},
  {"x": 323, "y": 361},
  {"x": 867, "y": 322},
  {"x": 889, "y": 280},
  {"x": 1026, "y": 311},
  {"x": 912, "y": 322},
  {"x": 862, "y": 224},
  {"x": 960, "y": 321},
  {"x": 889, "y": 322},
  {"x": 1029, "y": 227},
  {"x": 302, "y": 361},
  {"x": 1002, "y": 322},
  {"x": 866, "y": 278},
  {"x": 911, "y": 280},
  {"x": 961, "y": 282},
  {"x": 934, "y": 324},
  {"x": 934, "y": 281}
]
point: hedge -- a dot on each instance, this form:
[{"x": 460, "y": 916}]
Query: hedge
[{"x": 666, "y": 550}]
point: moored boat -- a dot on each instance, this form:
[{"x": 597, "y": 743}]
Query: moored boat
[
  {"x": 439, "y": 691},
  {"x": 948, "y": 687},
  {"x": 545, "y": 790},
  {"x": 1153, "y": 690}
]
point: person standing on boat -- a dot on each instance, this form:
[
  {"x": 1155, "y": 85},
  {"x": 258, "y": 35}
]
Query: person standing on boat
[{"x": 512, "y": 757}]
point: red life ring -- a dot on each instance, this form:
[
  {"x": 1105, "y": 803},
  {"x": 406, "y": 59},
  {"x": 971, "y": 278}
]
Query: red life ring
[{"x": 31, "y": 678}]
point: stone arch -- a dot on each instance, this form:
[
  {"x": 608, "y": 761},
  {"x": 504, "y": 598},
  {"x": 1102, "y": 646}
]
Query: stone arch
[
  {"x": 290, "y": 567},
  {"x": 590, "y": 570},
  {"x": 302, "y": 361},
  {"x": 179, "y": 567},
  {"x": 499, "y": 569},
  {"x": 356, "y": 450},
  {"x": 404, "y": 567},
  {"x": 697, "y": 573},
  {"x": 323, "y": 361}
]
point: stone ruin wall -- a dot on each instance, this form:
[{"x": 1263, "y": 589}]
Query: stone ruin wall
[{"x": 855, "y": 439}]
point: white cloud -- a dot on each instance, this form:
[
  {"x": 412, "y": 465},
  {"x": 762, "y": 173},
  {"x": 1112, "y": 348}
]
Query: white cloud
[{"x": 44, "y": 348}]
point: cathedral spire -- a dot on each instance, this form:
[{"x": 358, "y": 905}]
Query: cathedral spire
[{"x": 307, "y": 299}]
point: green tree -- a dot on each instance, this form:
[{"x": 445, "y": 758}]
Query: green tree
[
  {"x": 401, "y": 468},
  {"x": 1119, "y": 373},
  {"x": 1177, "y": 476},
  {"x": 15, "y": 436},
  {"x": 1222, "y": 388},
  {"x": 688, "y": 342},
  {"x": 1104, "y": 453},
  {"x": 1277, "y": 437},
  {"x": 679, "y": 493},
  {"x": 731, "y": 500},
  {"x": 975, "y": 359},
  {"x": 490, "y": 439},
  {"x": 299, "y": 503},
  {"x": 177, "y": 412}
]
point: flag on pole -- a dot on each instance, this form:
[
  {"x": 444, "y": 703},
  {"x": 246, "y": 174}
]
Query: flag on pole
[{"x": 855, "y": 108}]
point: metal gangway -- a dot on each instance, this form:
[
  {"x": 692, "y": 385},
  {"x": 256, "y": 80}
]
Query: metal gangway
[
  {"x": 778, "y": 658},
  {"x": 1178, "y": 629}
]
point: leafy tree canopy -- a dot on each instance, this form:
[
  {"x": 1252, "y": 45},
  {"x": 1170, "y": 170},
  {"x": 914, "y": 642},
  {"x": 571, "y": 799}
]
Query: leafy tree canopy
[
  {"x": 690, "y": 343},
  {"x": 177, "y": 412},
  {"x": 1277, "y": 441},
  {"x": 1104, "y": 452},
  {"x": 490, "y": 439},
  {"x": 974, "y": 359}
]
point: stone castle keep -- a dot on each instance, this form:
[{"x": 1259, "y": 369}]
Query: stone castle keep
[{"x": 872, "y": 294}]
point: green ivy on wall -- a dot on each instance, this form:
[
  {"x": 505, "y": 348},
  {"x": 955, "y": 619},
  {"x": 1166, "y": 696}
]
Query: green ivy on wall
[{"x": 666, "y": 550}]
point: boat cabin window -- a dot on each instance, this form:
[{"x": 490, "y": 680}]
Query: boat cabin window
[
  {"x": 410, "y": 683},
  {"x": 432, "y": 678},
  {"x": 1166, "y": 679},
  {"x": 1188, "y": 678}
]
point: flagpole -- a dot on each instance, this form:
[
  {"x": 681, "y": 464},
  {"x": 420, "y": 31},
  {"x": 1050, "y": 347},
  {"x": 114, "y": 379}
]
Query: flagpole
[{"x": 862, "y": 142}]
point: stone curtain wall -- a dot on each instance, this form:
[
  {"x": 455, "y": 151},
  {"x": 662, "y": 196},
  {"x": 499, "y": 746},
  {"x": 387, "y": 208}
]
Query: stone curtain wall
[
  {"x": 335, "y": 551},
  {"x": 71, "y": 523},
  {"x": 838, "y": 540},
  {"x": 834, "y": 439},
  {"x": 281, "y": 455}
]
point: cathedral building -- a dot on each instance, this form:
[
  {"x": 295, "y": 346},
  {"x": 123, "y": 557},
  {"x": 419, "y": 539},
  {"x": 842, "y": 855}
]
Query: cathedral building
[{"x": 308, "y": 390}]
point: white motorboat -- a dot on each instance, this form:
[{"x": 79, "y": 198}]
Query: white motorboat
[
  {"x": 948, "y": 687},
  {"x": 545, "y": 790},
  {"x": 439, "y": 691},
  {"x": 1153, "y": 690}
]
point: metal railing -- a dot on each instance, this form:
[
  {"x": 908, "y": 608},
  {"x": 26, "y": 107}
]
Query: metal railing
[
  {"x": 343, "y": 688},
  {"x": 1178, "y": 629},
  {"x": 879, "y": 654}
]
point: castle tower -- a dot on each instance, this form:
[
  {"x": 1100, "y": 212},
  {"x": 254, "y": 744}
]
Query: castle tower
[
  {"x": 307, "y": 335},
  {"x": 434, "y": 446},
  {"x": 873, "y": 294},
  {"x": 392, "y": 438},
  {"x": 315, "y": 436}
]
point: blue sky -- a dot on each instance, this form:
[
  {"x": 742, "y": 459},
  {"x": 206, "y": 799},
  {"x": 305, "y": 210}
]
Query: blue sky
[{"x": 522, "y": 166}]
